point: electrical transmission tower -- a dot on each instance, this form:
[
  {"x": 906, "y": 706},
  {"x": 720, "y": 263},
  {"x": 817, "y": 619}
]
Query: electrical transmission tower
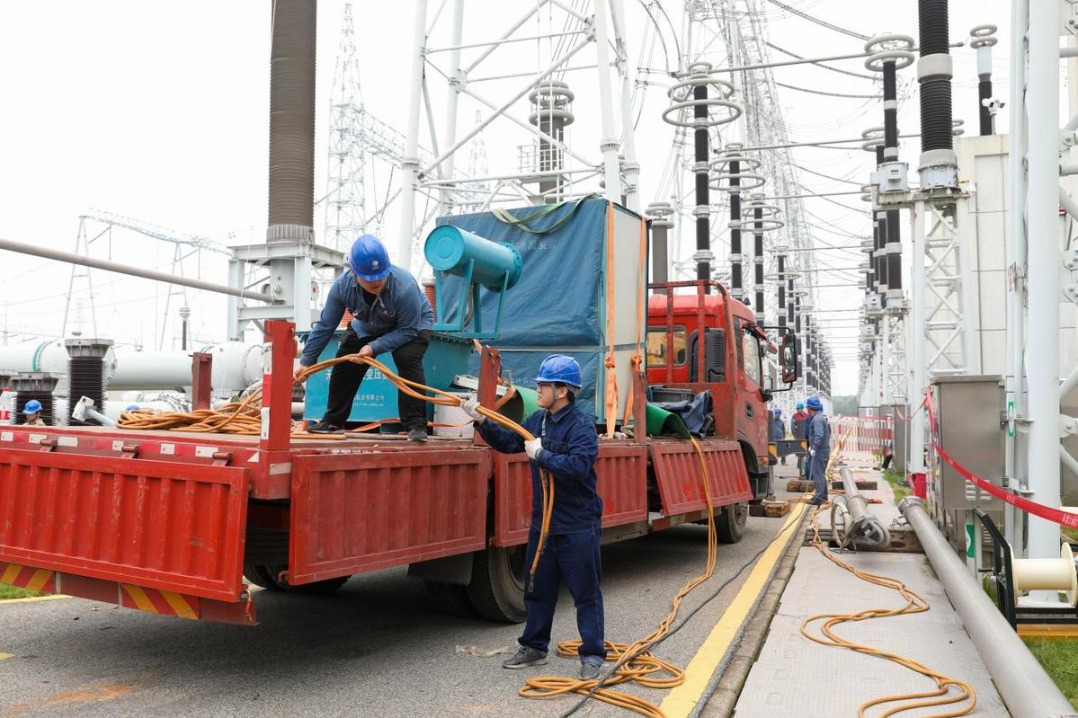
[{"x": 346, "y": 199}]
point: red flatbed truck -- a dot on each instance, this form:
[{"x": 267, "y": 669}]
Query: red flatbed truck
[{"x": 170, "y": 522}]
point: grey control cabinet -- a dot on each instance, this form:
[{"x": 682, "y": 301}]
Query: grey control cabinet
[{"x": 968, "y": 410}]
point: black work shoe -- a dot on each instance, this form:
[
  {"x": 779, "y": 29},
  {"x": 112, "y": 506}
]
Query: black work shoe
[
  {"x": 417, "y": 435},
  {"x": 814, "y": 502},
  {"x": 525, "y": 657},
  {"x": 589, "y": 671},
  {"x": 324, "y": 427}
]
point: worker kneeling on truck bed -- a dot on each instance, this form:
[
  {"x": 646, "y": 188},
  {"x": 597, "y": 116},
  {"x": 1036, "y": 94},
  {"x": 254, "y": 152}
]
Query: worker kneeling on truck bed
[
  {"x": 566, "y": 446},
  {"x": 390, "y": 314}
]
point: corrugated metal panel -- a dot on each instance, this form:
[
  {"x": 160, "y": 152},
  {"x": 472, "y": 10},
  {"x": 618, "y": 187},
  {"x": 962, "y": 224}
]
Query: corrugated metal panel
[
  {"x": 175, "y": 527},
  {"x": 622, "y": 473},
  {"x": 677, "y": 472},
  {"x": 512, "y": 499},
  {"x": 365, "y": 511}
]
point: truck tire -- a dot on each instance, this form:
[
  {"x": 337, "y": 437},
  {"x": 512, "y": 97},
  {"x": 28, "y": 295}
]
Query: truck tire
[
  {"x": 266, "y": 577},
  {"x": 497, "y": 586},
  {"x": 730, "y": 522},
  {"x": 450, "y": 599},
  {"x": 260, "y": 575}
]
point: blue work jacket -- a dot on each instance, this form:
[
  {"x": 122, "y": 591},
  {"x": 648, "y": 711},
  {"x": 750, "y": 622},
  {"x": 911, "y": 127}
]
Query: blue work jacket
[
  {"x": 396, "y": 316},
  {"x": 570, "y": 447},
  {"x": 819, "y": 435}
]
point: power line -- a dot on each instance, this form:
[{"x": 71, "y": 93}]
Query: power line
[
  {"x": 819, "y": 64},
  {"x": 816, "y": 20},
  {"x": 829, "y": 94}
]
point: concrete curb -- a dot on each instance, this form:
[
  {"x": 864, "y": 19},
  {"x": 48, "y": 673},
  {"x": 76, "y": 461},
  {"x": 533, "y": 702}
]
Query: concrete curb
[{"x": 723, "y": 699}]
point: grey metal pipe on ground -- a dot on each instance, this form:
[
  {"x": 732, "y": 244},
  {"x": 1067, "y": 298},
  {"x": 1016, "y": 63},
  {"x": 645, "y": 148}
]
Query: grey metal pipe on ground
[
  {"x": 864, "y": 527},
  {"x": 1025, "y": 688}
]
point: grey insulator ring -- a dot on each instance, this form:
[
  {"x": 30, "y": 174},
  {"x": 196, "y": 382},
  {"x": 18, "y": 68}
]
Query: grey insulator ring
[
  {"x": 672, "y": 114},
  {"x": 749, "y": 181},
  {"x": 956, "y": 127},
  {"x": 983, "y": 36}
]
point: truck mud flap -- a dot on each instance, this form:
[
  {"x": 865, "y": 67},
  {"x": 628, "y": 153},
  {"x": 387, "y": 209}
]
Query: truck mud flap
[
  {"x": 167, "y": 527},
  {"x": 622, "y": 473},
  {"x": 360, "y": 512},
  {"x": 677, "y": 473}
]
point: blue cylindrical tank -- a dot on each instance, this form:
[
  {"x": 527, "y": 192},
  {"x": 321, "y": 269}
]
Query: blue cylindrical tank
[{"x": 449, "y": 249}]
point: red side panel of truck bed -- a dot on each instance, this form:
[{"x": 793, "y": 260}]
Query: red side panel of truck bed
[
  {"x": 362, "y": 512},
  {"x": 622, "y": 473},
  {"x": 677, "y": 472},
  {"x": 163, "y": 525}
]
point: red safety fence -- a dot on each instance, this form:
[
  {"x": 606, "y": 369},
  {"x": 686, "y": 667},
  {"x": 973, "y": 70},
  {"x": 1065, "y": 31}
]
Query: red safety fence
[{"x": 863, "y": 436}]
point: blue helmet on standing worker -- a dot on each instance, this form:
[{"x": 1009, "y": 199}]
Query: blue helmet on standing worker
[
  {"x": 814, "y": 403},
  {"x": 369, "y": 259},
  {"x": 32, "y": 407},
  {"x": 560, "y": 369},
  {"x": 778, "y": 412},
  {"x": 800, "y": 405}
]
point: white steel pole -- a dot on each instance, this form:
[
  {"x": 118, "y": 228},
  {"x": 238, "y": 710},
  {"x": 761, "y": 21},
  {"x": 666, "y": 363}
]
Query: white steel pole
[
  {"x": 1016, "y": 262},
  {"x": 628, "y": 136},
  {"x": 609, "y": 142},
  {"x": 915, "y": 348},
  {"x": 1042, "y": 96},
  {"x": 410, "y": 161},
  {"x": 456, "y": 82},
  {"x": 884, "y": 395}
]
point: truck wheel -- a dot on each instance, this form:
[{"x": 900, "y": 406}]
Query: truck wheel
[
  {"x": 497, "y": 586},
  {"x": 266, "y": 577},
  {"x": 260, "y": 575},
  {"x": 730, "y": 522},
  {"x": 450, "y": 599}
]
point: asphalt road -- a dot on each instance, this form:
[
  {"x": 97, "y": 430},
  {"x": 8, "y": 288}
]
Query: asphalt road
[{"x": 376, "y": 648}]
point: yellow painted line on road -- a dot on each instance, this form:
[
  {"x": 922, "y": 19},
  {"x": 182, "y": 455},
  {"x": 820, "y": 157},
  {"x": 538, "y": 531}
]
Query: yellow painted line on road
[{"x": 683, "y": 700}]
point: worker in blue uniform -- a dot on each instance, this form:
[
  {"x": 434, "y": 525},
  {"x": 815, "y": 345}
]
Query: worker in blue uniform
[
  {"x": 390, "y": 313},
  {"x": 819, "y": 443},
  {"x": 566, "y": 445},
  {"x": 798, "y": 423},
  {"x": 778, "y": 429}
]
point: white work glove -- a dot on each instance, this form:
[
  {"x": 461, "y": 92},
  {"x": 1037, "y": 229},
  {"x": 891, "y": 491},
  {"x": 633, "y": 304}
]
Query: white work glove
[
  {"x": 532, "y": 448},
  {"x": 812, "y": 453},
  {"x": 471, "y": 408}
]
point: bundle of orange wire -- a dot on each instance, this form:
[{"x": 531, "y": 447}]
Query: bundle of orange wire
[
  {"x": 914, "y": 603},
  {"x": 236, "y": 418}
]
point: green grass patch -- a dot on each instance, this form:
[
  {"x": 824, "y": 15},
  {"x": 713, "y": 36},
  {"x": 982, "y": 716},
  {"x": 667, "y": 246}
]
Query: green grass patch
[
  {"x": 1071, "y": 534},
  {"x": 1059, "y": 656},
  {"x": 8, "y": 592},
  {"x": 893, "y": 478}
]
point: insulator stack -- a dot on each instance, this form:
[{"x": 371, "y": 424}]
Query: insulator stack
[
  {"x": 552, "y": 112},
  {"x": 982, "y": 39},
  {"x": 938, "y": 166},
  {"x": 87, "y": 373},
  {"x": 661, "y": 222}
]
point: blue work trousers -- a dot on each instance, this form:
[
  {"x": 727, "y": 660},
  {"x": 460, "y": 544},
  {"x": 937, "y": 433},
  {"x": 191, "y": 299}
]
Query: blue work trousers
[
  {"x": 575, "y": 559},
  {"x": 818, "y": 474}
]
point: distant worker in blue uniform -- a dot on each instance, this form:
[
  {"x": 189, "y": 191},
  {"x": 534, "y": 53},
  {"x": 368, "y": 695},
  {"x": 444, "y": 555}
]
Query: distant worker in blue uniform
[
  {"x": 819, "y": 443},
  {"x": 798, "y": 424},
  {"x": 390, "y": 314},
  {"x": 778, "y": 429},
  {"x": 566, "y": 445},
  {"x": 32, "y": 412}
]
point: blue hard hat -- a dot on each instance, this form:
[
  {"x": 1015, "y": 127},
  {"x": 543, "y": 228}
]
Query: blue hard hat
[
  {"x": 132, "y": 407},
  {"x": 369, "y": 259},
  {"x": 800, "y": 405},
  {"x": 778, "y": 412},
  {"x": 815, "y": 403},
  {"x": 558, "y": 368},
  {"x": 32, "y": 407}
]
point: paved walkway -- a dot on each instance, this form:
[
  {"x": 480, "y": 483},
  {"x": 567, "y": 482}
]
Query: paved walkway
[{"x": 794, "y": 677}]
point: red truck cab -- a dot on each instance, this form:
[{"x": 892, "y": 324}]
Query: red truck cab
[{"x": 699, "y": 341}]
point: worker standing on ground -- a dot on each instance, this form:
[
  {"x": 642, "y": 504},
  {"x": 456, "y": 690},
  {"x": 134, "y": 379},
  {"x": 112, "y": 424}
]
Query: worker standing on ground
[
  {"x": 798, "y": 424},
  {"x": 32, "y": 412},
  {"x": 819, "y": 443},
  {"x": 391, "y": 314},
  {"x": 566, "y": 446},
  {"x": 778, "y": 429}
]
